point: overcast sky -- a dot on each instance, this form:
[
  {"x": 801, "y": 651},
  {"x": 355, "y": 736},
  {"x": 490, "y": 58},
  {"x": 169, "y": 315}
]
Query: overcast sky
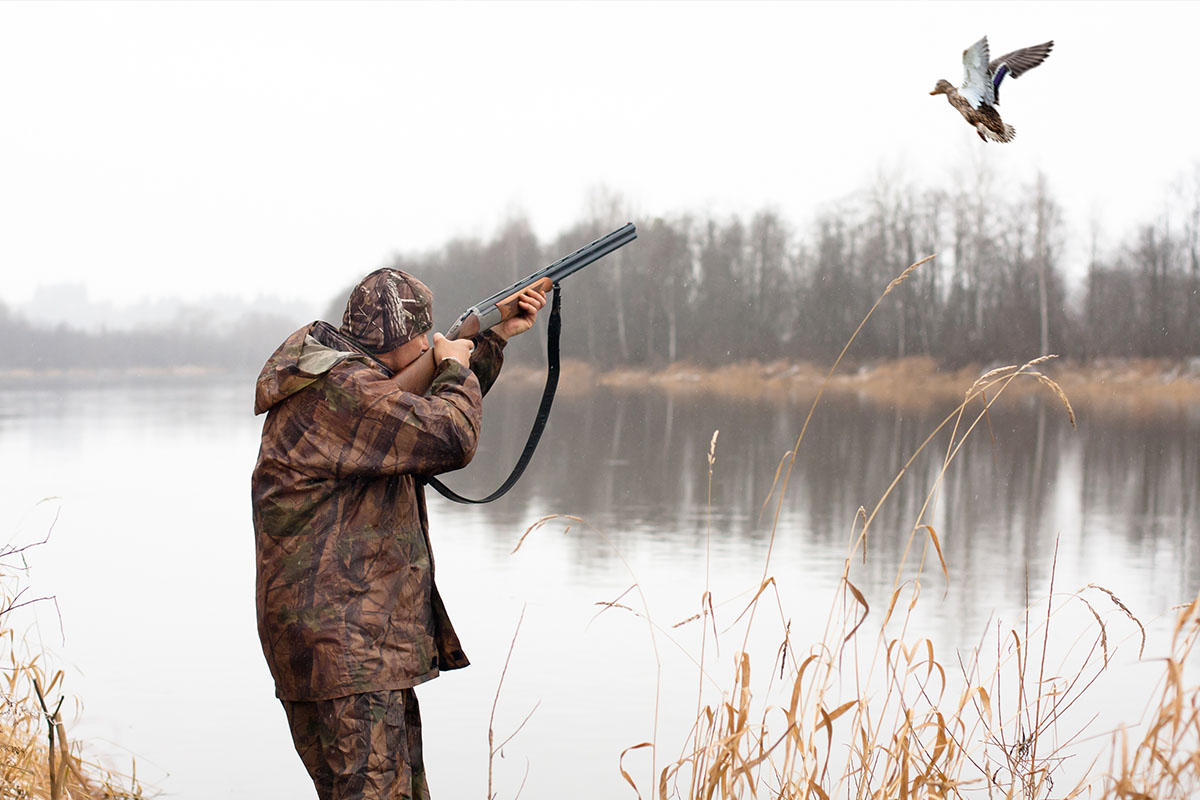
[{"x": 152, "y": 149}]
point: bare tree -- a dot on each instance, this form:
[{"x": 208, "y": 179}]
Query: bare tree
[
  {"x": 1047, "y": 217},
  {"x": 1191, "y": 253}
]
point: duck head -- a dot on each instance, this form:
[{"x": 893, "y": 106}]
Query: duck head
[{"x": 943, "y": 87}]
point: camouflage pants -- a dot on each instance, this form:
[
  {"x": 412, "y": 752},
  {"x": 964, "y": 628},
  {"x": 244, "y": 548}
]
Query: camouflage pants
[{"x": 361, "y": 747}]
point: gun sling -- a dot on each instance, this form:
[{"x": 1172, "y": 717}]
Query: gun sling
[{"x": 539, "y": 423}]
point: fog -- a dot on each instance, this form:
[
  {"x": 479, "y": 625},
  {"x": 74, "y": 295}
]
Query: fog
[{"x": 191, "y": 149}]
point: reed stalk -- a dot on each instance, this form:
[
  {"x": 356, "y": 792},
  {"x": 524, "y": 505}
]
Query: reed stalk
[
  {"x": 37, "y": 759},
  {"x": 872, "y": 711}
]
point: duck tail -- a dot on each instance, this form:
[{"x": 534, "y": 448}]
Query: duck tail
[{"x": 1007, "y": 135}]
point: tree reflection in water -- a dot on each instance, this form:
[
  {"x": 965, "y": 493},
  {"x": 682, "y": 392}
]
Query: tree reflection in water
[{"x": 1120, "y": 492}]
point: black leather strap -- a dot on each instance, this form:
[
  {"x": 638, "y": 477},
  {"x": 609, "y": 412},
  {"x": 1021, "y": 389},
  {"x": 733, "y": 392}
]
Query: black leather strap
[{"x": 539, "y": 424}]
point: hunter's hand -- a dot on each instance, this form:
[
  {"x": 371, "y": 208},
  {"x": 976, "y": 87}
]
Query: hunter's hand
[
  {"x": 530, "y": 302},
  {"x": 457, "y": 349}
]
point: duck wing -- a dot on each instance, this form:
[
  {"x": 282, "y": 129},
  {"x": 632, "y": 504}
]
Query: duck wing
[
  {"x": 1016, "y": 63},
  {"x": 977, "y": 85}
]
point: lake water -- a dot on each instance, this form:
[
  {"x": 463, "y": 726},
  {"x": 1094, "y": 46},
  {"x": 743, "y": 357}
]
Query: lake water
[{"x": 151, "y": 560}]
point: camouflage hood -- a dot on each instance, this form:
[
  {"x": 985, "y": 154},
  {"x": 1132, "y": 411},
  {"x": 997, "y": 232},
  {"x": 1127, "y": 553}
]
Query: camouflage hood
[{"x": 298, "y": 362}]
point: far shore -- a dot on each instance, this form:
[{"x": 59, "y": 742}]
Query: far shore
[
  {"x": 1116, "y": 384},
  {"x": 1144, "y": 385}
]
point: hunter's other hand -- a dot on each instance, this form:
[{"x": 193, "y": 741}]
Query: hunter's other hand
[
  {"x": 530, "y": 302},
  {"x": 457, "y": 349}
]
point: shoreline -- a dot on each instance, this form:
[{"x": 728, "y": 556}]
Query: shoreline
[{"x": 915, "y": 381}]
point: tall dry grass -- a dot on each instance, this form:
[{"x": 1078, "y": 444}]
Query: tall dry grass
[
  {"x": 38, "y": 761},
  {"x": 872, "y": 710}
]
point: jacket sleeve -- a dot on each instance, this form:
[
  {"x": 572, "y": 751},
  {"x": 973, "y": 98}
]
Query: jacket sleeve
[
  {"x": 487, "y": 358},
  {"x": 363, "y": 425}
]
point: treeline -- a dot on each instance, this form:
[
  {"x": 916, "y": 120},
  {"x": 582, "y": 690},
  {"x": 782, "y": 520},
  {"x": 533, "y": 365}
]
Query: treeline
[
  {"x": 710, "y": 290},
  {"x": 242, "y": 345}
]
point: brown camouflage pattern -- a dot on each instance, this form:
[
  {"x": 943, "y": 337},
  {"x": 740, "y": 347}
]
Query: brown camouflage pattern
[
  {"x": 386, "y": 309},
  {"x": 362, "y": 747},
  {"x": 345, "y": 590}
]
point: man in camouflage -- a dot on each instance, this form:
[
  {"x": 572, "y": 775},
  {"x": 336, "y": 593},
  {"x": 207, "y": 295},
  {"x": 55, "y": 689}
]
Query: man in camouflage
[{"x": 349, "y": 615}]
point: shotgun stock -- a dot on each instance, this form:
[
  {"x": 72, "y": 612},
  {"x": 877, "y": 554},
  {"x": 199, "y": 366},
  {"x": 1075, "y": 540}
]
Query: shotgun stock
[{"x": 486, "y": 314}]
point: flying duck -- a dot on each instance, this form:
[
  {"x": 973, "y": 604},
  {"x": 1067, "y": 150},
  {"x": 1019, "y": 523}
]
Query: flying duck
[{"x": 979, "y": 95}]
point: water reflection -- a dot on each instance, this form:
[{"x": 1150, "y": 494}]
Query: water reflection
[
  {"x": 1119, "y": 495},
  {"x": 635, "y": 463},
  {"x": 154, "y": 476}
]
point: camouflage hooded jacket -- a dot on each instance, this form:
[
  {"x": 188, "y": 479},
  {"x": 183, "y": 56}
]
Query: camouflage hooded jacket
[{"x": 345, "y": 593}]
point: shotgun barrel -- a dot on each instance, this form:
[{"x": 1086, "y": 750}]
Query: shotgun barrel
[{"x": 502, "y": 305}]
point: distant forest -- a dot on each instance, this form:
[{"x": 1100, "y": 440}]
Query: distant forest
[
  {"x": 706, "y": 290},
  {"x": 241, "y": 346}
]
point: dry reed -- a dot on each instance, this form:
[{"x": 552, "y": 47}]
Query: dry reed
[
  {"x": 37, "y": 760},
  {"x": 872, "y": 711}
]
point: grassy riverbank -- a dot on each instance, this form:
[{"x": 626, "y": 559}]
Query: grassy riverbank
[
  {"x": 1129, "y": 385},
  {"x": 38, "y": 760}
]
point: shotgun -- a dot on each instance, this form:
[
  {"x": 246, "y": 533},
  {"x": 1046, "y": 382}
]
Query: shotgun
[{"x": 418, "y": 376}]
